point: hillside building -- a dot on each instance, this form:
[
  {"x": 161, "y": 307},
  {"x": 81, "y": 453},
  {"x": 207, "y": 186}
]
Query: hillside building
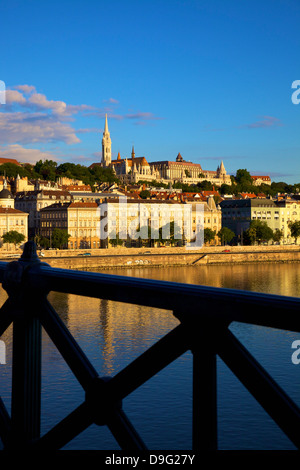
[{"x": 134, "y": 169}]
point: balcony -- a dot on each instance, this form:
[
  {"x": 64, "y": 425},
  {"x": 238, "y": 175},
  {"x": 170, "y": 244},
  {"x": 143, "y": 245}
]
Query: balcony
[{"x": 205, "y": 332}]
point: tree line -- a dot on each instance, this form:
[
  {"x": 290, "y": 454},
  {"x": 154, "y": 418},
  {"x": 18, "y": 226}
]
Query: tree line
[
  {"x": 258, "y": 232},
  {"x": 49, "y": 170}
]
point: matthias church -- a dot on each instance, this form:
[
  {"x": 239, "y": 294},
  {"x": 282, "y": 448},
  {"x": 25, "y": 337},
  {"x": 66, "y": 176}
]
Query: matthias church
[{"x": 134, "y": 169}]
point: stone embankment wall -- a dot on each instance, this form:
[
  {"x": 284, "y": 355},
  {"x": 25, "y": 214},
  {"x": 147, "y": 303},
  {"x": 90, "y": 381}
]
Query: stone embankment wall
[{"x": 138, "y": 257}]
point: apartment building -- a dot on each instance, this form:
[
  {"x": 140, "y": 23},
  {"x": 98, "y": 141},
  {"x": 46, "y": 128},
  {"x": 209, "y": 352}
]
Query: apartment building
[
  {"x": 33, "y": 201},
  {"x": 238, "y": 213},
  {"x": 80, "y": 219}
]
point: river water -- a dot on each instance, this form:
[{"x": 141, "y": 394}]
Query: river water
[{"x": 113, "y": 334}]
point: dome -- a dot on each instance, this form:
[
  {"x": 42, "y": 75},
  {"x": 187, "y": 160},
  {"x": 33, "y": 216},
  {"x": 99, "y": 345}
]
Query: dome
[{"x": 5, "y": 194}]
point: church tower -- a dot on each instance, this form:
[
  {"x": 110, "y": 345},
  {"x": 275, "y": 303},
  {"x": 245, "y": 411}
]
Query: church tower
[{"x": 106, "y": 146}]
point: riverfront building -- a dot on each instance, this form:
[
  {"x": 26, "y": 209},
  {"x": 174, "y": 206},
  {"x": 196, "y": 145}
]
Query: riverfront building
[
  {"x": 212, "y": 216},
  {"x": 33, "y": 201},
  {"x": 134, "y": 220},
  {"x": 80, "y": 219},
  {"x": 11, "y": 218},
  {"x": 238, "y": 213}
]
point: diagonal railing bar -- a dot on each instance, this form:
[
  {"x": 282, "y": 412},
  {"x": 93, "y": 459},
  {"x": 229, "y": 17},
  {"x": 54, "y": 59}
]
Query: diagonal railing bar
[
  {"x": 5, "y": 424},
  {"x": 6, "y": 316},
  {"x": 153, "y": 360},
  {"x": 66, "y": 430},
  {"x": 67, "y": 346},
  {"x": 261, "y": 385},
  {"x": 106, "y": 409},
  {"x": 79, "y": 420},
  {"x": 124, "y": 432}
]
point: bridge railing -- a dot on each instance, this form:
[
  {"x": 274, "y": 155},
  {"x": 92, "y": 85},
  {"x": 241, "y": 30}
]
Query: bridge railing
[{"x": 204, "y": 315}]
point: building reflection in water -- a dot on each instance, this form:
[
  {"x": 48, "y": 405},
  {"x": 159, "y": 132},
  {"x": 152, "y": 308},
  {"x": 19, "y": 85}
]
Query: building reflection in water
[{"x": 113, "y": 331}]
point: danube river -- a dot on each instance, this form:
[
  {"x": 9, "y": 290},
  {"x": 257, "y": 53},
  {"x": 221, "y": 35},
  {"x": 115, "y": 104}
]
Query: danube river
[{"x": 113, "y": 334}]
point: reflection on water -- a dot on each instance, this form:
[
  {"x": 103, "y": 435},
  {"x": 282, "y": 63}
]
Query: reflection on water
[
  {"x": 112, "y": 334},
  {"x": 271, "y": 278}
]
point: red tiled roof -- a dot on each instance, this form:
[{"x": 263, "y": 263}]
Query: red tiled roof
[
  {"x": 11, "y": 210},
  {"x": 9, "y": 160},
  {"x": 248, "y": 195},
  {"x": 83, "y": 204},
  {"x": 255, "y": 177}
]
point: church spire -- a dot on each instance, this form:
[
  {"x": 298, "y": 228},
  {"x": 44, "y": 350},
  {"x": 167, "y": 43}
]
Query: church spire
[
  {"x": 106, "y": 125},
  {"x": 132, "y": 152},
  {"x": 106, "y": 146}
]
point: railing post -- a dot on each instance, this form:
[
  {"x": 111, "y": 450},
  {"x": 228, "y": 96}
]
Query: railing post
[
  {"x": 204, "y": 389},
  {"x": 26, "y": 361}
]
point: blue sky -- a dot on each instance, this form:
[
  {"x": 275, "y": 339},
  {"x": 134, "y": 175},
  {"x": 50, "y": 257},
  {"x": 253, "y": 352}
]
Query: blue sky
[{"x": 209, "y": 79}]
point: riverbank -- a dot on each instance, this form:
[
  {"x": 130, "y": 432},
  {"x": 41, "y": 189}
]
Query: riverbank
[{"x": 167, "y": 256}]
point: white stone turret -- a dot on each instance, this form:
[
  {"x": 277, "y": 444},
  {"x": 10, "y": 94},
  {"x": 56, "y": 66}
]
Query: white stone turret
[{"x": 222, "y": 170}]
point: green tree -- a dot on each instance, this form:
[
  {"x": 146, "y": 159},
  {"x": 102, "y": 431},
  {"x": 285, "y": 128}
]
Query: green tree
[
  {"x": 59, "y": 238},
  {"x": 226, "y": 189},
  {"x": 259, "y": 232},
  {"x": 204, "y": 186},
  {"x": 209, "y": 235},
  {"x": 225, "y": 235},
  {"x": 13, "y": 237},
  {"x": 115, "y": 240},
  {"x": 277, "y": 235},
  {"x": 243, "y": 176},
  {"x": 295, "y": 229},
  {"x": 12, "y": 171},
  {"x": 46, "y": 169},
  {"x": 44, "y": 242},
  {"x": 173, "y": 229},
  {"x": 145, "y": 194}
]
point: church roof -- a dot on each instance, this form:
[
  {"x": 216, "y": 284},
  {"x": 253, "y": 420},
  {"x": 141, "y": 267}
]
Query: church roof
[
  {"x": 136, "y": 160},
  {"x": 177, "y": 163}
]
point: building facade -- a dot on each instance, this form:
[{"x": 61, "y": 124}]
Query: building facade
[
  {"x": 258, "y": 180},
  {"x": 33, "y": 201},
  {"x": 80, "y": 219},
  {"x": 133, "y": 220},
  {"x": 237, "y": 215},
  {"x": 11, "y": 219}
]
